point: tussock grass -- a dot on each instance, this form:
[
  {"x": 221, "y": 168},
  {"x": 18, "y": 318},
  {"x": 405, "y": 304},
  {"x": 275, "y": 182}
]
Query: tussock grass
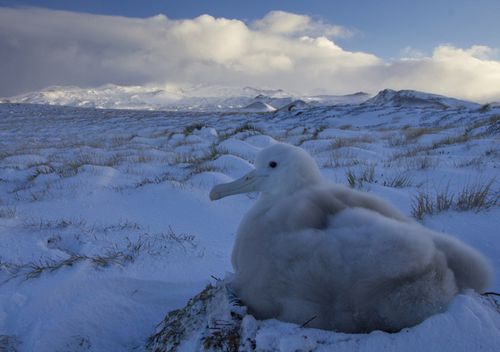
[
  {"x": 341, "y": 158},
  {"x": 198, "y": 164},
  {"x": 339, "y": 142},
  {"x": 24, "y": 192},
  {"x": 36, "y": 269},
  {"x": 422, "y": 163},
  {"x": 472, "y": 197},
  {"x": 477, "y": 197},
  {"x": 164, "y": 177},
  {"x": 41, "y": 169},
  {"x": 144, "y": 158},
  {"x": 492, "y": 122},
  {"x": 150, "y": 243},
  {"x": 410, "y": 135},
  {"x": 45, "y": 224},
  {"x": 400, "y": 180},
  {"x": 477, "y": 163},
  {"x": 457, "y": 139},
  {"x": 416, "y": 163},
  {"x": 351, "y": 179},
  {"x": 8, "y": 212},
  {"x": 122, "y": 140},
  {"x": 422, "y": 204},
  {"x": 248, "y": 127},
  {"x": 182, "y": 158},
  {"x": 70, "y": 168},
  {"x": 317, "y": 131},
  {"x": 199, "y": 168},
  {"x": 366, "y": 175},
  {"x": 80, "y": 224},
  {"x": 9, "y": 343},
  {"x": 412, "y": 152},
  {"x": 213, "y": 153},
  {"x": 191, "y": 128}
]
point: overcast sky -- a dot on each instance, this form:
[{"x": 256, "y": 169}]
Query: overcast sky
[{"x": 449, "y": 48}]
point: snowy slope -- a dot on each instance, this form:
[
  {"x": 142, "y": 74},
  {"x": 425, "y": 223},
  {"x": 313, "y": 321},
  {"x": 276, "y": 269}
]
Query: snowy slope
[
  {"x": 106, "y": 225},
  {"x": 258, "y": 106},
  {"x": 416, "y": 99},
  {"x": 197, "y": 98}
]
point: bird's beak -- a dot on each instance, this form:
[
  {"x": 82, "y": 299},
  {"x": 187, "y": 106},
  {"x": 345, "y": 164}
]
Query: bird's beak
[{"x": 247, "y": 183}]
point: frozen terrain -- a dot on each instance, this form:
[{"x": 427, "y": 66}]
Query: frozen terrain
[
  {"x": 106, "y": 225},
  {"x": 190, "y": 98}
]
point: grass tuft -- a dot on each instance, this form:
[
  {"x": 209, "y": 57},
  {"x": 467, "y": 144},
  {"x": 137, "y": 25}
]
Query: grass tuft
[
  {"x": 472, "y": 197},
  {"x": 191, "y": 128},
  {"x": 339, "y": 142},
  {"x": 9, "y": 343},
  {"x": 7, "y": 212},
  {"x": 477, "y": 197},
  {"x": 367, "y": 175},
  {"x": 400, "y": 180}
]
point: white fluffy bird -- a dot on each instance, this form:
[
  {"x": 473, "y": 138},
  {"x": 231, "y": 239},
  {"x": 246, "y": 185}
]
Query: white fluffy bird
[{"x": 346, "y": 259}]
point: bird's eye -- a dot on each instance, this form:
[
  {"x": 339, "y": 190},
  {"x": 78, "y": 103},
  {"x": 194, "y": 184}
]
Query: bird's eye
[{"x": 273, "y": 164}]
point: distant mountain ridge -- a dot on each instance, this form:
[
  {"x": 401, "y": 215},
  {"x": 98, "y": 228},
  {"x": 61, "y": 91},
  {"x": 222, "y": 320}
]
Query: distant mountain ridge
[
  {"x": 413, "y": 98},
  {"x": 198, "y": 98},
  {"x": 221, "y": 98}
]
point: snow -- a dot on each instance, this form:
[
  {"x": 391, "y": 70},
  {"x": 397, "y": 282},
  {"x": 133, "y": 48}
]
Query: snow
[
  {"x": 183, "y": 98},
  {"x": 258, "y": 106},
  {"x": 106, "y": 225},
  {"x": 417, "y": 99},
  {"x": 471, "y": 323}
]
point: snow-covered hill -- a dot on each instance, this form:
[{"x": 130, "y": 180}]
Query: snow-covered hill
[
  {"x": 221, "y": 98},
  {"x": 258, "y": 106},
  {"x": 412, "y": 98},
  {"x": 198, "y": 98},
  {"x": 106, "y": 225}
]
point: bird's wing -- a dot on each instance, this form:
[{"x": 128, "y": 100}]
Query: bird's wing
[
  {"x": 351, "y": 198},
  {"x": 312, "y": 207}
]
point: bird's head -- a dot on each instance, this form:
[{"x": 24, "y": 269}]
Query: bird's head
[{"x": 279, "y": 170}]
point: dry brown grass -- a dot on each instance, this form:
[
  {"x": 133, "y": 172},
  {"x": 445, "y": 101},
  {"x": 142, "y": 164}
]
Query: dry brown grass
[
  {"x": 365, "y": 175},
  {"x": 400, "y": 180},
  {"x": 339, "y": 142},
  {"x": 475, "y": 197},
  {"x": 457, "y": 139}
]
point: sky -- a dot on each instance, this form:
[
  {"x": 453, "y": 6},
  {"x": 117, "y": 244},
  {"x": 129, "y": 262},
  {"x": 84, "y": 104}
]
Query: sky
[{"x": 308, "y": 47}]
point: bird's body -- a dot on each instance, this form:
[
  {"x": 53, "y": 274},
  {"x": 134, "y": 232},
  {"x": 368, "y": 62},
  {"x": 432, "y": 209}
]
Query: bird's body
[{"x": 347, "y": 260}]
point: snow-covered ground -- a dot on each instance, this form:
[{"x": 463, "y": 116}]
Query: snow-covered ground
[{"x": 106, "y": 225}]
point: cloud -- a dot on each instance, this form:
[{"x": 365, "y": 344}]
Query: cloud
[
  {"x": 285, "y": 23},
  {"x": 282, "y": 50}
]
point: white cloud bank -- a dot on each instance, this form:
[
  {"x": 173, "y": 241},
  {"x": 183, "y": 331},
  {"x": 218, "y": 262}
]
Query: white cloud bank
[{"x": 41, "y": 47}]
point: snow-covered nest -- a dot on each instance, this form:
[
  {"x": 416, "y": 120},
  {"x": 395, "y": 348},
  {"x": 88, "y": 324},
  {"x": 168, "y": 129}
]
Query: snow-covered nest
[{"x": 215, "y": 320}]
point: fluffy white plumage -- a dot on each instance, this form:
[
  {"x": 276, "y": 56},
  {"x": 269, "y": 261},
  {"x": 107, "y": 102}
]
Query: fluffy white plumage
[{"x": 311, "y": 249}]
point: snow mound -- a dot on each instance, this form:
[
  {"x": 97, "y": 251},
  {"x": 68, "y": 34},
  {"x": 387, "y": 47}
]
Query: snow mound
[
  {"x": 216, "y": 320},
  {"x": 415, "y": 99},
  {"x": 258, "y": 106}
]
